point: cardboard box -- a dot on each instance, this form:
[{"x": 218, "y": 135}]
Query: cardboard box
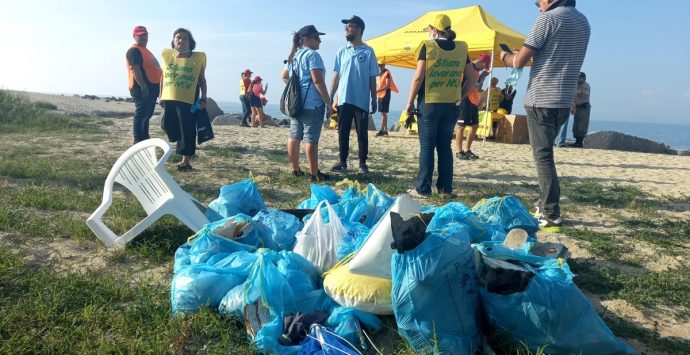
[{"x": 513, "y": 130}]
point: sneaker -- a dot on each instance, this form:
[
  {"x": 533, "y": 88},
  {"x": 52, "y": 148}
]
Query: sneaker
[
  {"x": 244, "y": 124},
  {"x": 413, "y": 193},
  {"x": 448, "y": 195},
  {"x": 363, "y": 169},
  {"x": 575, "y": 145},
  {"x": 471, "y": 155},
  {"x": 548, "y": 225},
  {"x": 461, "y": 156},
  {"x": 379, "y": 133},
  {"x": 298, "y": 173},
  {"x": 319, "y": 177},
  {"x": 339, "y": 167},
  {"x": 184, "y": 167},
  {"x": 385, "y": 133}
]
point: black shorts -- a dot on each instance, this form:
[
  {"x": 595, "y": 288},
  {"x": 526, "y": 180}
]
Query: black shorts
[
  {"x": 385, "y": 102},
  {"x": 254, "y": 101},
  {"x": 468, "y": 113}
]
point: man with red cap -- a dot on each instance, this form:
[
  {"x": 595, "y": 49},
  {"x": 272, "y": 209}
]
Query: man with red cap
[
  {"x": 468, "y": 111},
  {"x": 144, "y": 74},
  {"x": 245, "y": 82}
]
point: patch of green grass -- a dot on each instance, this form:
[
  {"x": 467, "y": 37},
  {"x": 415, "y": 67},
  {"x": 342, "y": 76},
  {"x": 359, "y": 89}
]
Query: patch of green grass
[
  {"x": 672, "y": 235},
  {"x": 605, "y": 245},
  {"x": 44, "y": 105},
  {"x": 18, "y": 115},
  {"x": 643, "y": 289},
  {"x": 70, "y": 172},
  {"x": 98, "y": 312},
  {"x": 46, "y": 198},
  {"x": 651, "y": 339},
  {"x": 615, "y": 196}
]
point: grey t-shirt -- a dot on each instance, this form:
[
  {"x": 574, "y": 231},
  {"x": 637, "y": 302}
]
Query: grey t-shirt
[{"x": 559, "y": 38}]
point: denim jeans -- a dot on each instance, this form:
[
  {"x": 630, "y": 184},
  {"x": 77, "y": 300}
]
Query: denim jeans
[
  {"x": 564, "y": 132},
  {"x": 143, "y": 110},
  {"x": 581, "y": 122},
  {"x": 435, "y": 124},
  {"x": 543, "y": 125},
  {"x": 346, "y": 114},
  {"x": 246, "y": 110}
]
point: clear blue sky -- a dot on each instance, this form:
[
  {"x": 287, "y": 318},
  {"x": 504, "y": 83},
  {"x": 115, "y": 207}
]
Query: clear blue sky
[{"x": 636, "y": 63}]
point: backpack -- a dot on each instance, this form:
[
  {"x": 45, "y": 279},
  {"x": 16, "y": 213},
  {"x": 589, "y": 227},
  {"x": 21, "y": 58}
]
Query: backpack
[{"x": 291, "y": 101}]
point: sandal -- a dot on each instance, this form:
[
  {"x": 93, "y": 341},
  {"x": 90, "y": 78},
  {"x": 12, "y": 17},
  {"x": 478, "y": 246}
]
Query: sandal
[
  {"x": 298, "y": 173},
  {"x": 184, "y": 167}
]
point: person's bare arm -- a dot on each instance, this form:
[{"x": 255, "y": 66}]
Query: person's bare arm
[
  {"x": 385, "y": 86},
  {"x": 334, "y": 87},
  {"x": 317, "y": 77},
  {"x": 471, "y": 78},
  {"x": 285, "y": 75},
  {"x": 139, "y": 78},
  {"x": 202, "y": 85},
  {"x": 416, "y": 83},
  {"x": 519, "y": 59}
]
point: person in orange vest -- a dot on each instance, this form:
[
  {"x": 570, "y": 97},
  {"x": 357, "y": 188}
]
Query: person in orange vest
[
  {"x": 384, "y": 86},
  {"x": 144, "y": 74},
  {"x": 468, "y": 111},
  {"x": 245, "y": 83}
]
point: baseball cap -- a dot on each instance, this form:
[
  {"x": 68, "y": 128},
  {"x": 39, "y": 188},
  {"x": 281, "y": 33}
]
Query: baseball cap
[
  {"x": 139, "y": 30},
  {"x": 247, "y": 72},
  {"x": 583, "y": 75},
  {"x": 441, "y": 22},
  {"x": 257, "y": 78},
  {"x": 486, "y": 59},
  {"x": 308, "y": 31},
  {"x": 354, "y": 19}
]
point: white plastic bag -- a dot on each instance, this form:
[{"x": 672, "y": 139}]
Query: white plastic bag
[
  {"x": 318, "y": 241},
  {"x": 374, "y": 257}
]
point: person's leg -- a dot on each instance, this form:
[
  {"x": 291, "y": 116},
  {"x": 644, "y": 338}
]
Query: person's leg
[
  {"x": 446, "y": 121},
  {"x": 362, "y": 128},
  {"x": 581, "y": 124},
  {"x": 345, "y": 118},
  {"x": 246, "y": 110},
  {"x": 384, "y": 122},
  {"x": 262, "y": 117},
  {"x": 312, "y": 120},
  {"x": 255, "y": 117},
  {"x": 150, "y": 109},
  {"x": 140, "y": 110},
  {"x": 542, "y": 126},
  {"x": 427, "y": 126},
  {"x": 186, "y": 145},
  {"x": 564, "y": 131},
  {"x": 459, "y": 131},
  {"x": 294, "y": 139},
  {"x": 470, "y": 137}
]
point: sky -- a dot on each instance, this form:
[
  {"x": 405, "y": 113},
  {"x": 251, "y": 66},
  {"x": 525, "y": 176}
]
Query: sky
[{"x": 636, "y": 64}]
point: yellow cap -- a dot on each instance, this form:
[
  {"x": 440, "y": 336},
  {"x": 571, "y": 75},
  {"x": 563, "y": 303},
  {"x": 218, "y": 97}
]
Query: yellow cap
[{"x": 441, "y": 22}]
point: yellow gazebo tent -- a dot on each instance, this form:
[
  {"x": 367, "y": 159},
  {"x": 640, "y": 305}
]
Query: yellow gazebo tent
[{"x": 481, "y": 31}]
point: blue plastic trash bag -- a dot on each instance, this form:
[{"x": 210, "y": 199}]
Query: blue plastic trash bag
[
  {"x": 347, "y": 322},
  {"x": 233, "y": 302},
  {"x": 351, "y": 192},
  {"x": 457, "y": 212},
  {"x": 348, "y": 210},
  {"x": 210, "y": 240},
  {"x": 182, "y": 257},
  {"x": 498, "y": 250},
  {"x": 435, "y": 293},
  {"x": 240, "y": 197},
  {"x": 318, "y": 194},
  {"x": 356, "y": 236},
  {"x": 535, "y": 307},
  {"x": 206, "y": 285},
  {"x": 322, "y": 340},
  {"x": 277, "y": 229},
  {"x": 506, "y": 211},
  {"x": 379, "y": 203}
]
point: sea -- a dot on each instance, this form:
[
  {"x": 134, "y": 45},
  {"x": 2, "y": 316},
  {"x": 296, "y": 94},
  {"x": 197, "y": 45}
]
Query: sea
[{"x": 673, "y": 135}]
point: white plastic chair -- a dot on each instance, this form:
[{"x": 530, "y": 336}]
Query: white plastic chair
[{"x": 144, "y": 175}]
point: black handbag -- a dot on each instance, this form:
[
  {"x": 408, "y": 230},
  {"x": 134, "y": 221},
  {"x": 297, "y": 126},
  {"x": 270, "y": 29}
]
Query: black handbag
[{"x": 204, "y": 130}]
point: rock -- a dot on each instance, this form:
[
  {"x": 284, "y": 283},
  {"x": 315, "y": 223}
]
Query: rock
[
  {"x": 620, "y": 141},
  {"x": 396, "y": 127},
  {"x": 232, "y": 119},
  {"x": 112, "y": 114},
  {"x": 684, "y": 152},
  {"x": 212, "y": 108},
  {"x": 90, "y": 97}
]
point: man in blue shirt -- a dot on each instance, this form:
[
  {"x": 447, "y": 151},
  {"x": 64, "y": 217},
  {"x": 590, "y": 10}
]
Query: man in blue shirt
[{"x": 354, "y": 84}]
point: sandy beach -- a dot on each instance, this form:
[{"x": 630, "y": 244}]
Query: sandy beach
[{"x": 663, "y": 177}]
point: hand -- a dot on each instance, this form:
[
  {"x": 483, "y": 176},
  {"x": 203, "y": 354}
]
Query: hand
[
  {"x": 161, "y": 103},
  {"x": 410, "y": 120},
  {"x": 373, "y": 106},
  {"x": 334, "y": 106},
  {"x": 573, "y": 110},
  {"x": 329, "y": 110}
]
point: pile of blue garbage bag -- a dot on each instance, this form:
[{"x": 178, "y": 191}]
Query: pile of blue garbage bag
[{"x": 458, "y": 283}]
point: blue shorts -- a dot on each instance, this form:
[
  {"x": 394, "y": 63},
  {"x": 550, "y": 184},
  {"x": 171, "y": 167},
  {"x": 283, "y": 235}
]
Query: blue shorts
[{"x": 307, "y": 126}]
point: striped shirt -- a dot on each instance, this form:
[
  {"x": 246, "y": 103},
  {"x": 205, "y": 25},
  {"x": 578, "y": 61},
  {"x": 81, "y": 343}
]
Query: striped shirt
[{"x": 559, "y": 37}]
